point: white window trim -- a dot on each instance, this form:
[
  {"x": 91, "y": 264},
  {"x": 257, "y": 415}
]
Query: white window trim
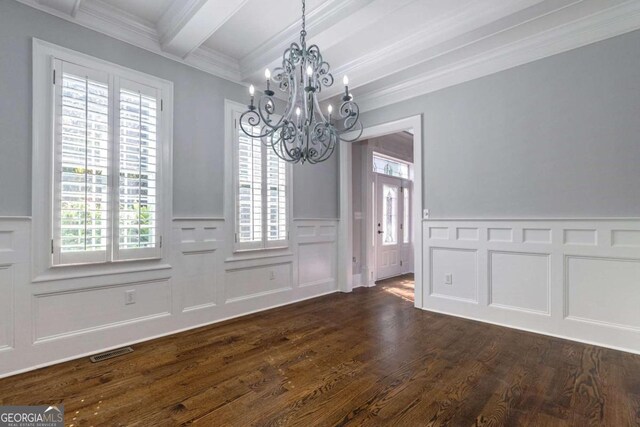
[
  {"x": 232, "y": 109},
  {"x": 43, "y": 268}
]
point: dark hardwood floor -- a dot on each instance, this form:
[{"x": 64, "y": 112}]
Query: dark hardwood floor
[{"x": 366, "y": 358}]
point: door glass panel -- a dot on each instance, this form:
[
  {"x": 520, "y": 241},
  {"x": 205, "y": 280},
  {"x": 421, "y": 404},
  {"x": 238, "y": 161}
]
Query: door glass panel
[
  {"x": 389, "y": 215},
  {"x": 405, "y": 225}
]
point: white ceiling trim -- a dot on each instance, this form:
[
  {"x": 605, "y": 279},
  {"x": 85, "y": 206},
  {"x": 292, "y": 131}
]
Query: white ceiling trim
[
  {"x": 397, "y": 52},
  {"x": 186, "y": 25},
  {"x": 69, "y": 7},
  {"x": 608, "y": 23},
  {"x": 214, "y": 62},
  {"x": 103, "y": 17},
  {"x": 98, "y": 16},
  {"x": 621, "y": 17},
  {"x": 327, "y": 14},
  {"x": 336, "y": 31},
  {"x": 175, "y": 17}
]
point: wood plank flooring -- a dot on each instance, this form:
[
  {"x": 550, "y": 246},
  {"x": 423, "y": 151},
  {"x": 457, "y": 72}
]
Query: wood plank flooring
[{"x": 366, "y": 358}]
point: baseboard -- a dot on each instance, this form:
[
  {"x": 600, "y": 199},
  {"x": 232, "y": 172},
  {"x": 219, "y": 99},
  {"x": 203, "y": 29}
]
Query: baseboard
[
  {"x": 535, "y": 331},
  {"x": 162, "y": 335},
  {"x": 357, "y": 281}
]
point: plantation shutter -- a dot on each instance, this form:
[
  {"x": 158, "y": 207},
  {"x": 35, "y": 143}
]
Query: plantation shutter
[
  {"x": 260, "y": 191},
  {"x": 249, "y": 190},
  {"x": 276, "y": 199},
  {"x": 137, "y": 164},
  {"x": 81, "y": 165},
  {"x": 106, "y": 166}
]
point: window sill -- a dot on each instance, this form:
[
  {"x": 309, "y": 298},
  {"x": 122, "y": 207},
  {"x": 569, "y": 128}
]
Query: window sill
[
  {"x": 78, "y": 271},
  {"x": 256, "y": 254}
]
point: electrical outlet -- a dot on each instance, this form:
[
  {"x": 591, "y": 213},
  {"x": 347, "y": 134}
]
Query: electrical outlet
[
  {"x": 448, "y": 279},
  {"x": 425, "y": 213},
  {"x": 272, "y": 275},
  {"x": 130, "y": 297}
]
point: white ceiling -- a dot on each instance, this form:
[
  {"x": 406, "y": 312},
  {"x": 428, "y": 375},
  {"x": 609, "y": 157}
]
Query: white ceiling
[{"x": 391, "y": 49}]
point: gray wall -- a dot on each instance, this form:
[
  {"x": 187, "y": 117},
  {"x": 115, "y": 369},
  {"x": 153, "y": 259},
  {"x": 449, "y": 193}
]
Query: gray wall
[
  {"x": 315, "y": 189},
  {"x": 559, "y": 137},
  {"x": 198, "y": 119}
]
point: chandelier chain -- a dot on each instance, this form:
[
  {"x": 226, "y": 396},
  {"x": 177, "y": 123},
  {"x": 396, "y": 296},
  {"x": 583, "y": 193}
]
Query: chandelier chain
[{"x": 303, "y": 33}]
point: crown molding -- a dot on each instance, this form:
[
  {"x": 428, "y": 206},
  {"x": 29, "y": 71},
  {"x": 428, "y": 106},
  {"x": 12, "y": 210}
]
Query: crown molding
[
  {"x": 114, "y": 22},
  {"x": 463, "y": 20},
  {"x": 613, "y": 17},
  {"x": 607, "y": 23},
  {"x": 69, "y": 7},
  {"x": 103, "y": 18},
  {"x": 214, "y": 62}
]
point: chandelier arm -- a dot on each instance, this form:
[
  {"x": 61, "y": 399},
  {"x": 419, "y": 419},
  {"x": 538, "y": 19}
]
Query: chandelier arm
[
  {"x": 325, "y": 154},
  {"x": 359, "y": 130},
  {"x": 250, "y": 117},
  {"x": 253, "y": 119},
  {"x": 350, "y": 112},
  {"x": 273, "y": 144},
  {"x": 292, "y": 155},
  {"x": 263, "y": 107},
  {"x": 323, "y": 135}
]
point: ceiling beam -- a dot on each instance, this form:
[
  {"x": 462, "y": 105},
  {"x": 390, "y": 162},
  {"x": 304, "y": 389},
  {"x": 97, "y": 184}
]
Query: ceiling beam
[
  {"x": 320, "y": 20},
  {"x": 69, "y": 7},
  {"x": 188, "y": 23}
]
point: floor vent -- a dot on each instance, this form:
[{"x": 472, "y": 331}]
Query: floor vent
[{"x": 111, "y": 354}]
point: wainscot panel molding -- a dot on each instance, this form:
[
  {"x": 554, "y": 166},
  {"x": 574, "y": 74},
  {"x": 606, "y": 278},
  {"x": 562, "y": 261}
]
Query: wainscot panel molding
[
  {"x": 572, "y": 278},
  {"x": 49, "y": 321},
  {"x": 14, "y": 273}
]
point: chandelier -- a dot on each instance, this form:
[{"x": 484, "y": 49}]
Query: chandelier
[{"x": 301, "y": 132}]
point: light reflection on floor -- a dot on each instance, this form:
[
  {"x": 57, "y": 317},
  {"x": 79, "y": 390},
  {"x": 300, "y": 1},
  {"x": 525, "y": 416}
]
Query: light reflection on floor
[{"x": 401, "y": 286}]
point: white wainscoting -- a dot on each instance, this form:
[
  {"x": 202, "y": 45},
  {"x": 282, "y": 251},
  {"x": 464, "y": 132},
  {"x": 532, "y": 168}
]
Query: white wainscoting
[
  {"x": 201, "y": 282},
  {"x": 316, "y": 246},
  {"x": 577, "y": 279},
  {"x": 14, "y": 273}
]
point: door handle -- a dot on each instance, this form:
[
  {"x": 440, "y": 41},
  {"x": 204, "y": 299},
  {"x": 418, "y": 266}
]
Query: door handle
[{"x": 380, "y": 232}]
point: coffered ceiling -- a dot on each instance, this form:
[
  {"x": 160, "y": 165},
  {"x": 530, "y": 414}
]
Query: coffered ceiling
[{"x": 391, "y": 49}]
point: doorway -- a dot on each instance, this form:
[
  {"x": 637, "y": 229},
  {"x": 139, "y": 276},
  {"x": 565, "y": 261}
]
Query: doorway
[{"x": 347, "y": 274}]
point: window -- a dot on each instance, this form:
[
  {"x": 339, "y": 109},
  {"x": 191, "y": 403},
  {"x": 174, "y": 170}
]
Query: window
[
  {"x": 261, "y": 192},
  {"x": 389, "y": 166},
  {"x": 107, "y": 155},
  {"x": 407, "y": 218}
]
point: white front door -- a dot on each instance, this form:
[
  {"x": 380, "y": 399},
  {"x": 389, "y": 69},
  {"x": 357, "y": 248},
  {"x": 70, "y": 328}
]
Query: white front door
[{"x": 389, "y": 227}]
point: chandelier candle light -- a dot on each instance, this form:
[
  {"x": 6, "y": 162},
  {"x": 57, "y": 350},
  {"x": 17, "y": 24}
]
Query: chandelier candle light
[{"x": 302, "y": 133}]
